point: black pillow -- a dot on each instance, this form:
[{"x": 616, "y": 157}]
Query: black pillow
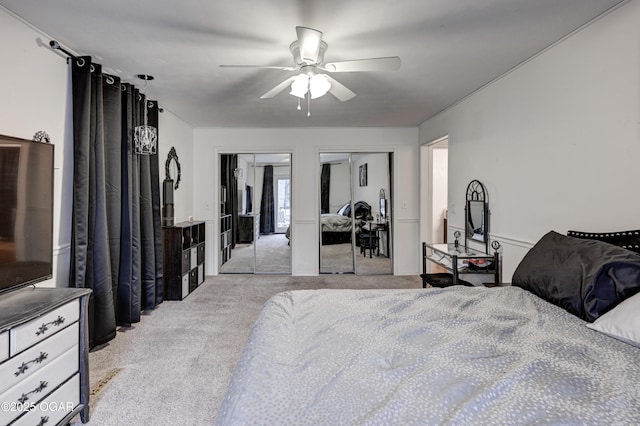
[{"x": 585, "y": 277}]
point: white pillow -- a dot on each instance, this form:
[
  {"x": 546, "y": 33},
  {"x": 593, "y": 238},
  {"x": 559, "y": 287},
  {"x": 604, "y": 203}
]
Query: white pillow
[
  {"x": 343, "y": 208},
  {"x": 622, "y": 322}
]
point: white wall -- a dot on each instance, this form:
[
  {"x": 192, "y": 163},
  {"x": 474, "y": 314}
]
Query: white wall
[
  {"x": 36, "y": 95},
  {"x": 305, "y": 145},
  {"x": 556, "y": 141},
  {"x": 377, "y": 179},
  {"x": 36, "y": 89},
  {"x": 339, "y": 188},
  {"x": 175, "y": 132}
]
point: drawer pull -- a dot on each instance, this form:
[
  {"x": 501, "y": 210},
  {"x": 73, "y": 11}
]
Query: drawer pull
[
  {"x": 25, "y": 396},
  {"x": 25, "y": 365},
  {"x": 56, "y": 323},
  {"x": 43, "y": 420}
]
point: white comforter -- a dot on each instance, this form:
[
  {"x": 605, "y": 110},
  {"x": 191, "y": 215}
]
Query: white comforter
[
  {"x": 458, "y": 355},
  {"x": 332, "y": 222}
]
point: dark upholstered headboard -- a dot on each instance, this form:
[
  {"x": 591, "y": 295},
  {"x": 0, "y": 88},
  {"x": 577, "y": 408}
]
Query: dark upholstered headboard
[{"x": 625, "y": 239}]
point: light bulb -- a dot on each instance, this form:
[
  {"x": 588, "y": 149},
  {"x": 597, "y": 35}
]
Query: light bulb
[{"x": 300, "y": 86}]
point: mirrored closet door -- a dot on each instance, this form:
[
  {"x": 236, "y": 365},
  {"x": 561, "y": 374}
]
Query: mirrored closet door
[
  {"x": 255, "y": 213},
  {"x": 355, "y": 213}
]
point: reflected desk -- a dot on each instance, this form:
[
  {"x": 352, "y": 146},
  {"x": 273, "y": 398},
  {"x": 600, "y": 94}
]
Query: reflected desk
[{"x": 371, "y": 238}]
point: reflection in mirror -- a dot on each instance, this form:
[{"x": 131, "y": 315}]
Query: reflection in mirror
[
  {"x": 272, "y": 175},
  {"x": 373, "y": 242},
  {"x": 475, "y": 217},
  {"x": 355, "y": 225},
  {"x": 259, "y": 201},
  {"x": 336, "y": 222},
  {"x": 383, "y": 205},
  {"x": 477, "y": 214}
]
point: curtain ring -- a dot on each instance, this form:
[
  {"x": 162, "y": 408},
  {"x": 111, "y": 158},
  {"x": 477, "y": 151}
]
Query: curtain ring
[
  {"x": 93, "y": 69},
  {"x": 139, "y": 97},
  {"x": 123, "y": 88},
  {"x": 81, "y": 62},
  {"x": 110, "y": 80},
  {"x": 150, "y": 104}
]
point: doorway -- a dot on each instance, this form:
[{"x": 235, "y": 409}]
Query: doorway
[
  {"x": 434, "y": 169},
  {"x": 283, "y": 204},
  {"x": 255, "y": 213}
]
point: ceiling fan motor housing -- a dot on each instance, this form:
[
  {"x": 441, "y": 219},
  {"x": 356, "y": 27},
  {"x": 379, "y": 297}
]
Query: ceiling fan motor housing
[{"x": 295, "y": 51}]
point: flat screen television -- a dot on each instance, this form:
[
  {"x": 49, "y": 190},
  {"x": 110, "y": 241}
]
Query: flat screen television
[{"x": 26, "y": 212}]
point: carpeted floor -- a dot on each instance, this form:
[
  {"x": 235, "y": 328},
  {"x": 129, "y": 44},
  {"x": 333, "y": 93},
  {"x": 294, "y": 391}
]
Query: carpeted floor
[
  {"x": 272, "y": 254},
  {"x": 173, "y": 367}
]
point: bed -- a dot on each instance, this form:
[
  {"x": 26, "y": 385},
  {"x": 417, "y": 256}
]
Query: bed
[
  {"x": 336, "y": 228},
  {"x": 456, "y": 355}
]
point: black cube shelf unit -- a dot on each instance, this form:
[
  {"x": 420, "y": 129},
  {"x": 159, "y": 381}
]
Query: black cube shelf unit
[{"x": 183, "y": 245}]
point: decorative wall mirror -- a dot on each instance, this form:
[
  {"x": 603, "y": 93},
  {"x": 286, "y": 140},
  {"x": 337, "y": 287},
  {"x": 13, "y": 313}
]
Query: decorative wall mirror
[
  {"x": 383, "y": 205},
  {"x": 477, "y": 214},
  {"x": 172, "y": 167}
]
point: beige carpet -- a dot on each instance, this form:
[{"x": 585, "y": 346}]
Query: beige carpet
[
  {"x": 272, "y": 254},
  {"x": 173, "y": 367},
  {"x": 339, "y": 258}
]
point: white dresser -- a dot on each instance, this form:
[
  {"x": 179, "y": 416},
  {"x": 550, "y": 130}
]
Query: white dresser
[{"x": 44, "y": 356}]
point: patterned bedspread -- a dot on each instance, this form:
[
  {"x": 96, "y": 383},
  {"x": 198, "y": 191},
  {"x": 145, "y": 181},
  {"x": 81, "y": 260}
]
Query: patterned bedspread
[{"x": 457, "y": 355}]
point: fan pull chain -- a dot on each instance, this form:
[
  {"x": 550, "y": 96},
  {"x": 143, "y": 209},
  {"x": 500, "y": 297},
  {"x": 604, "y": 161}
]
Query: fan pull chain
[
  {"x": 298, "y": 105},
  {"x": 308, "y": 105}
]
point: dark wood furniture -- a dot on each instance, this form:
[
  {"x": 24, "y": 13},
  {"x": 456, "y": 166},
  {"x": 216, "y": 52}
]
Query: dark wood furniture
[
  {"x": 44, "y": 356},
  {"x": 374, "y": 236},
  {"x": 225, "y": 238},
  {"x": 183, "y": 246},
  {"x": 248, "y": 227}
]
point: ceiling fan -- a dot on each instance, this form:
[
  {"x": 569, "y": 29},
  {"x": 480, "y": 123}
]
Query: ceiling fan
[{"x": 308, "y": 56}]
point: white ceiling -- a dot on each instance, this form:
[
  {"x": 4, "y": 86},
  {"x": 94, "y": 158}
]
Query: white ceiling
[{"x": 448, "y": 50}]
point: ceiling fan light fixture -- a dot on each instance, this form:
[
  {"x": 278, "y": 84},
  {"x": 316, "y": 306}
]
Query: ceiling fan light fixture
[
  {"x": 300, "y": 86},
  {"x": 319, "y": 85}
]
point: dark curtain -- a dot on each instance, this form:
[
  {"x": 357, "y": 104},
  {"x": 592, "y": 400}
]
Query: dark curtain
[
  {"x": 267, "y": 225},
  {"x": 228, "y": 163},
  {"x": 325, "y": 180},
  {"x": 116, "y": 247}
]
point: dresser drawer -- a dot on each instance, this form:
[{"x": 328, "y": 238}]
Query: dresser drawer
[
  {"x": 185, "y": 285},
  {"x": 42, "y": 327},
  {"x": 186, "y": 261},
  {"x": 201, "y": 253},
  {"x": 55, "y": 407},
  {"x": 194, "y": 257},
  {"x": 31, "y": 390},
  {"x": 4, "y": 346},
  {"x": 36, "y": 358}
]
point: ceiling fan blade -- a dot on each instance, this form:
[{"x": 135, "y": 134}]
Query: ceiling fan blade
[
  {"x": 339, "y": 90},
  {"x": 309, "y": 41},
  {"x": 390, "y": 63},
  {"x": 269, "y": 67},
  {"x": 279, "y": 88}
]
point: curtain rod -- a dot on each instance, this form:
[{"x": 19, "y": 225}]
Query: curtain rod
[{"x": 56, "y": 46}]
